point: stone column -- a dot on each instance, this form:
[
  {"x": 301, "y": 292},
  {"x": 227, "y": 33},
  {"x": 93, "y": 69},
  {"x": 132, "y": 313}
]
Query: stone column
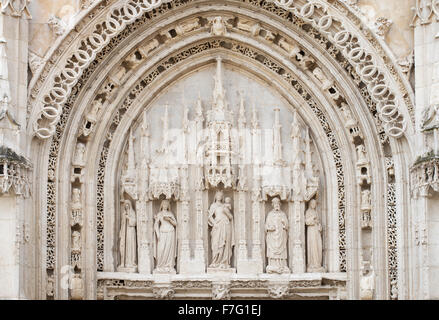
[{"x": 16, "y": 242}]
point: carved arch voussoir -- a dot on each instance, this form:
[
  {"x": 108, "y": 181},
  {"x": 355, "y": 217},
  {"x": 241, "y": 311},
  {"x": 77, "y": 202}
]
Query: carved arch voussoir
[{"x": 319, "y": 14}]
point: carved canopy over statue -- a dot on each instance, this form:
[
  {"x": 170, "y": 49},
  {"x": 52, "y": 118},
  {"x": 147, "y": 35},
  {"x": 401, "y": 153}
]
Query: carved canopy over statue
[{"x": 165, "y": 249}]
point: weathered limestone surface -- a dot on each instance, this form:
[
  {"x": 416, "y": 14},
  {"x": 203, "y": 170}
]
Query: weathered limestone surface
[{"x": 194, "y": 149}]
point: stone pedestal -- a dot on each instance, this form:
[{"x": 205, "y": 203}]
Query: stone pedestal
[{"x": 221, "y": 270}]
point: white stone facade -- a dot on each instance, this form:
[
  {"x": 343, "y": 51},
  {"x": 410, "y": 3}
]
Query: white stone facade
[{"x": 219, "y": 149}]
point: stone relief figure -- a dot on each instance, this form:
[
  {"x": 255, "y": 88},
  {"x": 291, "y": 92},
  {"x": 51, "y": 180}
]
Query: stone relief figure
[
  {"x": 276, "y": 227},
  {"x": 313, "y": 238},
  {"x": 318, "y": 73},
  {"x": 127, "y": 238},
  {"x": 165, "y": 248},
  {"x": 220, "y": 218},
  {"x": 76, "y": 214},
  {"x": 218, "y": 26}
]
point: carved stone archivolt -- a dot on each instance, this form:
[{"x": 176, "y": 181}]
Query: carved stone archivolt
[{"x": 173, "y": 189}]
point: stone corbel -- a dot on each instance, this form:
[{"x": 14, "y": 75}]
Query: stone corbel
[{"x": 221, "y": 291}]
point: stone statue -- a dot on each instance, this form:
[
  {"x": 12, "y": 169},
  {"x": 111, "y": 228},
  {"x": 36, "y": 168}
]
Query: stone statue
[
  {"x": 276, "y": 227},
  {"x": 76, "y": 213},
  {"x": 220, "y": 218},
  {"x": 313, "y": 238},
  {"x": 127, "y": 238},
  {"x": 165, "y": 248},
  {"x": 78, "y": 158},
  {"x": 367, "y": 284},
  {"x": 361, "y": 153},
  {"x": 76, "y": 241},
  {"x": 218, "y": 26}
]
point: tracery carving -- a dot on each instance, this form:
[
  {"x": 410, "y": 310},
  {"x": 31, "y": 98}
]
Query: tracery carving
[
  {"x": 165, "y": 250},
  {"x": 16, "y": 8}
]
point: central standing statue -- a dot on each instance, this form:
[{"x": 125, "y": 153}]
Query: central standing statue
[
  {"x": 127, "y": 238},
  {"x": 276, "y": 226},
  {"x": 220, "y": 218},
  {"x": 165, "y": 250}
]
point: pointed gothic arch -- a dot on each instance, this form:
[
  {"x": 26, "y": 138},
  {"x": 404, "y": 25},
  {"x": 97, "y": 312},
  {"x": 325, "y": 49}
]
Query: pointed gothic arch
[{"x": 322, "y": 35}]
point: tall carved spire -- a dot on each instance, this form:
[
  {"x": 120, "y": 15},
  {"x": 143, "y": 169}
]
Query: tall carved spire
[
  {"x": 296, "y": 135},
  {"x": 165, "y": 121},
  {"x": 308, "y": 162},
  {"x": 219, "y": 101},
  {"x": 145, "y": 135},
  {"x": 199, "y": 110},
  {"x": 131, "y": 160},
  {"x": 255, "y": 121}
]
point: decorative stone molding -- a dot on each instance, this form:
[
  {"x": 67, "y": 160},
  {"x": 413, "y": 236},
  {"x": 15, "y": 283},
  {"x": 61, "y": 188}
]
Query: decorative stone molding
[
  {"x": 377, "y": 82},
  {"x": 16, "y": 8},
  {"x": 393, "y": 119}
]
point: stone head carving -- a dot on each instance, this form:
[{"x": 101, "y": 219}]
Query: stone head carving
[
  {"x": 219, "y": 196},
  {"x": 165, "y": 205},
  {"x": 276, "y": 203}
]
